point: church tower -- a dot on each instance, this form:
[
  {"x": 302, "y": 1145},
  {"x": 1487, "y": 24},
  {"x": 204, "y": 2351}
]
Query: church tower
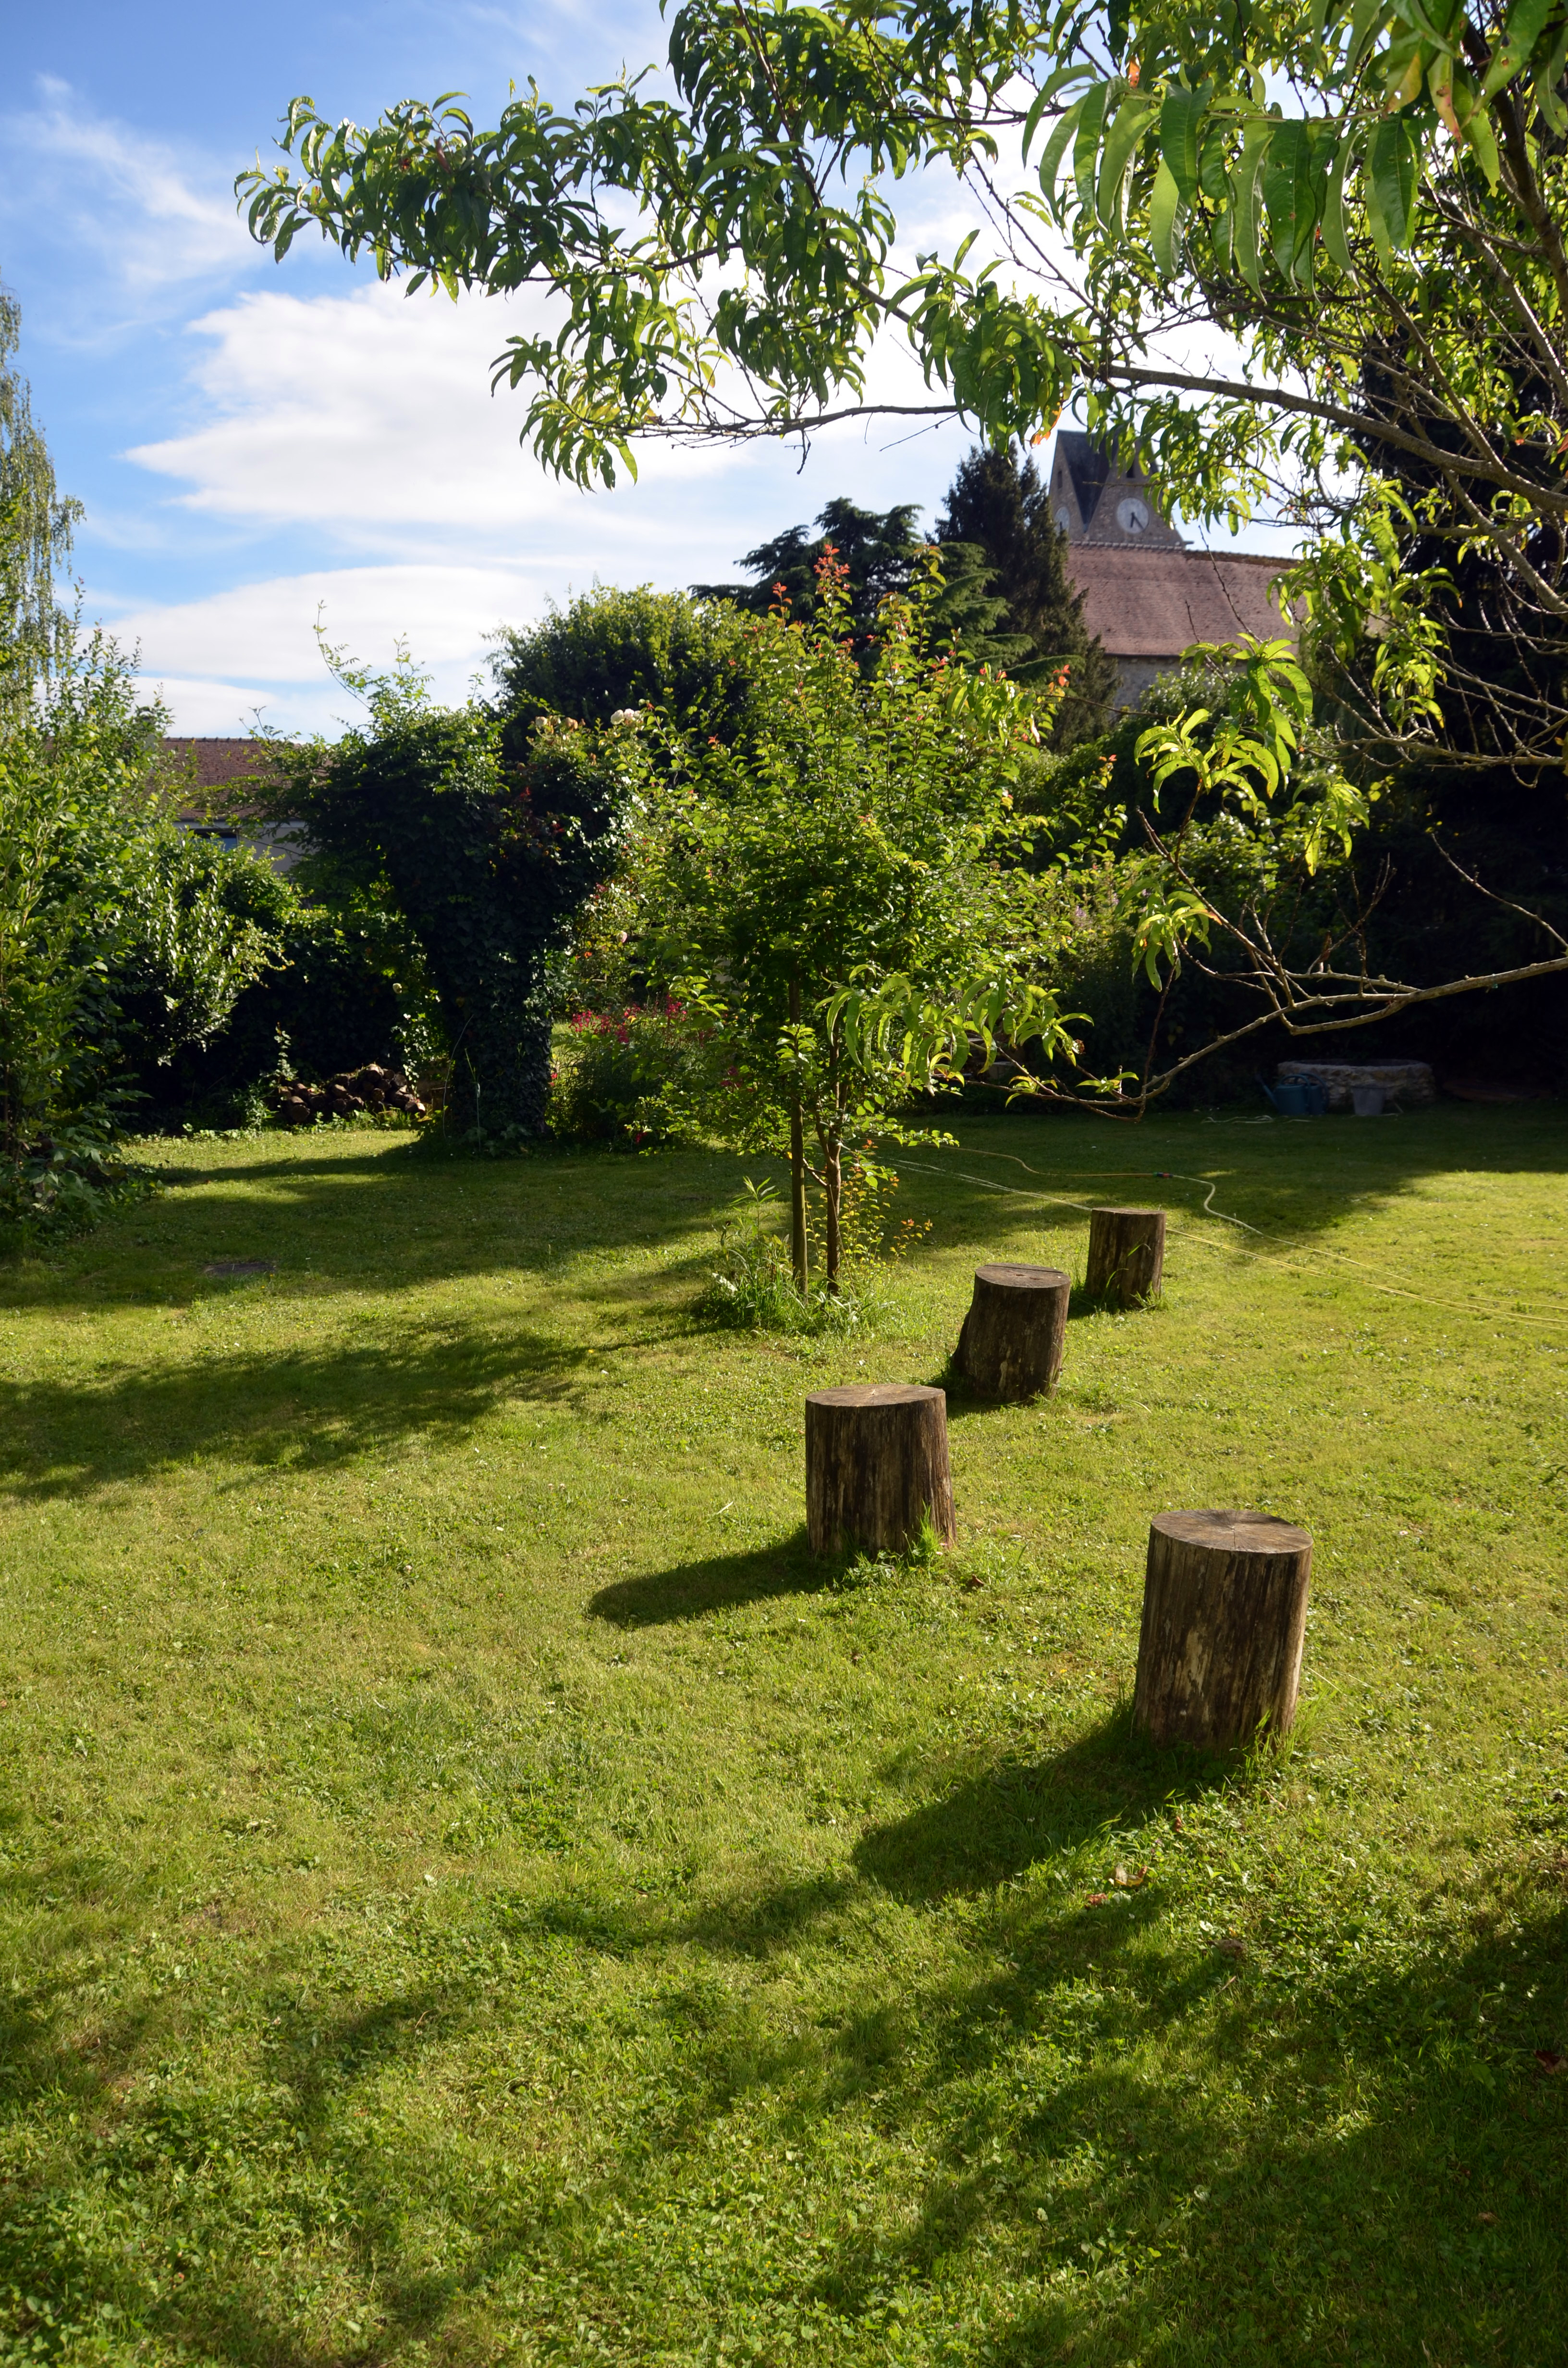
[{"x": 1097, "y": 503}]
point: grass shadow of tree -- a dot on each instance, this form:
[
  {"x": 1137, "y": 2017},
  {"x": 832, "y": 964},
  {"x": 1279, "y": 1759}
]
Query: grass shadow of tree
[
  {"x": 384, "y": 1213},
  {"x": 994, "y": 1824},
  {"x": 1418, "y": 2208},
  {"x": 296, "y": 1409}
]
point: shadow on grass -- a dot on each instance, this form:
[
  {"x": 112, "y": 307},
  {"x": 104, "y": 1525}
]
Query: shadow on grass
[
  {"x": 1319, "y": 2152},
  {"x": 993, "y": 1826},
  {"x": 1040, "y": 1173},
  {"x": 299, "y": 1409},
  {"x": 387, "y": 1214},
  {"x": 717, "y": 1583}
]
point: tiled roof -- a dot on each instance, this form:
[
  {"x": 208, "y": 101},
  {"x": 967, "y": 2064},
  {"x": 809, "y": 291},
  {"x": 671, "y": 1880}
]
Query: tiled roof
[
  {"x": 218, "y": 761},
  {"x": 1154, "y": 604}
]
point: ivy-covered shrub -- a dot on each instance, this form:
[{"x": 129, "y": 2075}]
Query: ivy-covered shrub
[{"x": 486, "y": 860}]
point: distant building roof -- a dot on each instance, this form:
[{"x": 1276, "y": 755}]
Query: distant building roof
[
  {"x": 1149, "y": 602},
  {"x": 218, "y": 761}
]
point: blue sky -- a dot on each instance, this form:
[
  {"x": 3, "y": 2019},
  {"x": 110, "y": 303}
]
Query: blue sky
[{"x": 257, "y": 443}]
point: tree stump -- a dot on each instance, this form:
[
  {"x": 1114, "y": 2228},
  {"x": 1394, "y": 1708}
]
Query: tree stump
[
  {"x": 1224, "y": 1614},
  {"x": 1127, "y": 1254},
  {"x": 1012, "y": 1339},
  {"x": 876, "y": 1465}
]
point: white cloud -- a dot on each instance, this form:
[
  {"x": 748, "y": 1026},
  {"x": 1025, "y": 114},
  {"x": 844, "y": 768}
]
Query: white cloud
[
  {"x": 255, "y": 643},
  {"x": 370, "y": 414},
  {"x": 152, "y": 217}
]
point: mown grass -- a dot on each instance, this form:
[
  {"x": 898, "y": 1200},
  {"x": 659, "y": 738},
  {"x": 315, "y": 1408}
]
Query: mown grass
[{"x": 472, "y": 1889}]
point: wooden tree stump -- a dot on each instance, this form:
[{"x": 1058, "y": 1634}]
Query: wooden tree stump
[
  {"x": 1224, "y": 1614},
  {"x": 1127, "y": 1254},
  {"x": 1012, "y": 1339},
  {"x": 876, "y": 1464}
]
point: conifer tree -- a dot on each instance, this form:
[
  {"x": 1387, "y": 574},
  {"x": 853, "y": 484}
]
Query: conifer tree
[
  {"x": 997, "y": 504},
  {"x": 880, "y": 550}
]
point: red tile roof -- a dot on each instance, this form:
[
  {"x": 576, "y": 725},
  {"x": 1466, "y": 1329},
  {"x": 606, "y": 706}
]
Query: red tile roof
[
  {"x": 218, "y": 761},
  {"x": 1154, "y": 604}
]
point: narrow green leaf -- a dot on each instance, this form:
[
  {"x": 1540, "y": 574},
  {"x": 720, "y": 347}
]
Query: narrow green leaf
[
  {"x": 1031, "y": 120},
  {"x": 1547, "y": 97},
  {"x": 1181, "y": 118},
  {"x": 1260, "y": 131},
  {"x": 1121, "y": 144},
  {"x": 1052, "y": 87},
  {"x": 1421, "y": 22},
  {"x": 1085, "y": 146},
  {"x": 1365, "y": 25},
  {"x": 1287, "y": 192},
  {"x": 1162, "y": 219},
  {"x": 1050, "y": 163},
  {"x": 1521, "y": 30},
  {"x": 1334, "y": 233},
  {"x": 1391, "y": 178},
  {"x": 1483, "y": 139},
  {"x": 1222, "y": 238}
]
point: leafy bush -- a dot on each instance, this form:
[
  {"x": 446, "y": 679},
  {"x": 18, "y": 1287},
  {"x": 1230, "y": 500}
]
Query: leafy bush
[
  {"x": 115, "y": 943},
  {"x": 752, "y": 1286},
  {"x": 614, "y": 1069},
  {"x": 611, "y": 650},
  {"x": 341, "y": 991}
]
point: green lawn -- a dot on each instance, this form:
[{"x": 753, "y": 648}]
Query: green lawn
[{"x": 474, "y": 1890}]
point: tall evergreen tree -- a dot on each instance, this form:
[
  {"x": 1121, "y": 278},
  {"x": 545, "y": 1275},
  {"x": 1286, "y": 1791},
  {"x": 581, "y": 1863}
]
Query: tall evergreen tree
[
  {"x": 997, "y": 504},
  {"x": 35, "y": 533},
  {"x": 881, "y": 550}
]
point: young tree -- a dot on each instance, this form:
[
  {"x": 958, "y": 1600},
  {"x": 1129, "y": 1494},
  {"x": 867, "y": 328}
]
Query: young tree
[
  {"x": 36, "y": 633},
  {"x": 488, "y": 861},
  {"x": 997, "y": 505},
  {"x": 846, "y": 851}
]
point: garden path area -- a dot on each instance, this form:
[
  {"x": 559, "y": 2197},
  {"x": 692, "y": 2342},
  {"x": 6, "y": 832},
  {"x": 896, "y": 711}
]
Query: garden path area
[{"x": 472, "y": 1889}]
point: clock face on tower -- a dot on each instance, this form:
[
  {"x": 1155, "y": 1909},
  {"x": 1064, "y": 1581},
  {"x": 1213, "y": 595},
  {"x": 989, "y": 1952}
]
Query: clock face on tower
[
  {"x": 1063, "y": 518},
  {"x": 1133, "y": 516}
]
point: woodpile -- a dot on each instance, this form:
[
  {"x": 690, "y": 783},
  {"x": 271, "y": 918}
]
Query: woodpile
[{"x": 370, "y": 1088}]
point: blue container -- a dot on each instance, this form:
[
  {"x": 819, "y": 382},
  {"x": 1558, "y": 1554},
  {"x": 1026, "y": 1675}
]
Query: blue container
[{"x": 1293, "y": 1099}]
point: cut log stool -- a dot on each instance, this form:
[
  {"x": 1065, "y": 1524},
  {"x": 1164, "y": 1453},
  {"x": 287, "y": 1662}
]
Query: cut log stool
[
  {"x": 876, "y": 1465},
  {"x": 1127, "y": 1254},
  {"x": 1224, "y": 1614},
  {"x": 1011, "y": 1343}
]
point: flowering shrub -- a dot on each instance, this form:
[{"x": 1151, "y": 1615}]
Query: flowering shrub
[{"x": 612, "y": 1069}]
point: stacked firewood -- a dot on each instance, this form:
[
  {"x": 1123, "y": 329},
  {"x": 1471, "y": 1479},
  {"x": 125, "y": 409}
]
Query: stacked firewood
[{"x": 370, "y": 1088}]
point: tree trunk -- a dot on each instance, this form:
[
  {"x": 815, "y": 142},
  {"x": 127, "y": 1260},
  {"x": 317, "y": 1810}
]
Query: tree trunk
[
  {"x": 800, "y": 1254},
  {"x": 876, "y": 1466},
  {"x": 1012, "y": 1339},
  {"x": 1224, "y": 1614},
  {"x": 833, "y": 1204},
  {"x": 1126, "y": 1255},
  {"x": 498, "y": 1080}
]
